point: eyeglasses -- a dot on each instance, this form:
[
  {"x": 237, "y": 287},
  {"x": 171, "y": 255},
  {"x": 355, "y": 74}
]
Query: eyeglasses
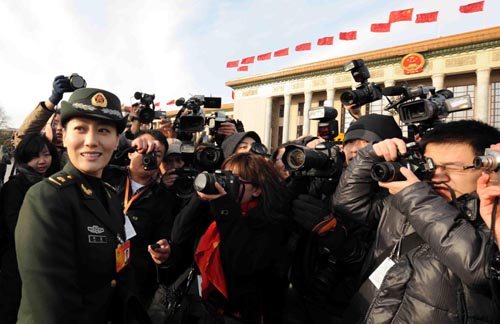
[{"x": 452, "y": 168}]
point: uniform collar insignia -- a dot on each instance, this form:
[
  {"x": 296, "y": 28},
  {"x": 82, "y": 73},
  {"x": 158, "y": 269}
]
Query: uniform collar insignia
[{"x": 86, "y": 190}]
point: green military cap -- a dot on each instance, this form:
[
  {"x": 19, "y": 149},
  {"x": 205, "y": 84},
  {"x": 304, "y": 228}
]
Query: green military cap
[{"x": 95, "y": 104}]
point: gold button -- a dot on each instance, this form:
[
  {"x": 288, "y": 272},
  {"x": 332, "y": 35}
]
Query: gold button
[{"x": 113, "y": 283}]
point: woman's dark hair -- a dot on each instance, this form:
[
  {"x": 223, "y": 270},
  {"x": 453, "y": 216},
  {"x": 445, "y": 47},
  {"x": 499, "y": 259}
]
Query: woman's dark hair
[
  {"x": 30, "y": 147},
  {"x": 274, "y": 199}
]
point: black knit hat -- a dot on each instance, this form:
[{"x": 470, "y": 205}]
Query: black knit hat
[
  {"x": 230, "y": 143},
  {"x": 95, "y": 104},
  {"x": 373, "y": 127}
]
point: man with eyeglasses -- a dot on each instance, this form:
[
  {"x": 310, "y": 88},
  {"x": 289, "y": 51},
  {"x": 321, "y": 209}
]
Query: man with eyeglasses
[{"x": 428, "y": 262}]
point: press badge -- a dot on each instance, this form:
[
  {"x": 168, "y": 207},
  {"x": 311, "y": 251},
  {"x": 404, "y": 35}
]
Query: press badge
[
  {"x": 122, "y": 254},
  {"x": 129, "y": 229},
  {"x": 378, "y": 275}
]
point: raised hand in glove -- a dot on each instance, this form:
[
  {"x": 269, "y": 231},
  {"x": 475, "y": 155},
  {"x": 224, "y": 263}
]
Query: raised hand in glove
[
  {"x": 59, "y": 87},
  {"x": 308, "y": 211}
]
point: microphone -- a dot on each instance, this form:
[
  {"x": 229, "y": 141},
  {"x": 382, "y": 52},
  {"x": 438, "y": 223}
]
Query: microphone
[
  {"x": 394, "y": 91},
  {"x": 180, "y": 101}
]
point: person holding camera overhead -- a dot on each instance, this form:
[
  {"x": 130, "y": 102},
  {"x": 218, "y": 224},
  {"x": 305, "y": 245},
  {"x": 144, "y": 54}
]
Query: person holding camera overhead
[
  {"x": 428, "y": 262},
  {"x": 71, "y": 245},
  {"x": 147, "y": 207},
  {"x": 45, "y": 117}
]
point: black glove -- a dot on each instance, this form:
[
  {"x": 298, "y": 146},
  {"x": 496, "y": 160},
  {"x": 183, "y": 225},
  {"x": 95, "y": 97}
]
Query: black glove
[
  {"x": 309, "y": 211},
  {"x": 59, "y": 86}
]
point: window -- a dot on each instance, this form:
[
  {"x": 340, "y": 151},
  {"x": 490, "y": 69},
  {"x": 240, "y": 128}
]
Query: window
[
  {"x": 376, "y": 107},
  {"x": 280, "y": 135},
  {"x": 301, "y": 109},
  {"x": 461, "y": 91},
  {"x": 299, "y": 130},
  {"x": 282, "y": 111},
  {"x": 495, "y": 105},
  {"x": 321, "y": 103}
]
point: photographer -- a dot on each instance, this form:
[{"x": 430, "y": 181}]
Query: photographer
[
  {"x": 428, "y": 261},
  {"x": 147, "y": 206}
]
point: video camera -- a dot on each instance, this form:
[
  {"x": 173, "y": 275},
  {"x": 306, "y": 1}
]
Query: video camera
[
  {"x": 424, "y": 105},
  {"x": 326, "y": 160},
  {"x": 365, "y": 92},
  {"x": 191, "y": 118},
  {"x": 413, "y": 159},
  {"x": 146, "y": 113}
]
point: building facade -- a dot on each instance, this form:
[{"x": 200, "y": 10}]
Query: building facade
[{"x": 276, "y": 105}]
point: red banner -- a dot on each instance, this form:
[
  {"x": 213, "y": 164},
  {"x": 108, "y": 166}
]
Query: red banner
[
  {"x": 352, "y": 35},
  {"x": 264, "y": 57},
  {"x": 381, "y": 28},
  {"x": 401, "y": 15},
  {"x": 281, "y": 52},
  {"x": 427, "y": 17},
  {"x": 243, "y": 68},
  {"x": 232, "y": 64},
  {"x": 171, "y": 102},
  {"x": 248, "y": 60},
  {"x": 303, "y": 47},
  {"x": 325, "y": 41},
  {"x": 472, "y": 7}
]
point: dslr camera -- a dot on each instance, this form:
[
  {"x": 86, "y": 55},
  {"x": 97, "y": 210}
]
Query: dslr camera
[
  {"x": 413, "y": 159},
  {"x": 326, "y": 160},
  {"x": 489, "y": 163},
  {"x": 76, "y": 81},
  {"x": 205, "y": 182},
  {"x": 328, "y": 127},
  {"x": 146, "y": 113},
  {"x": 149, "y": 161},
  {"x": 183, "y": 185},
  {"x": 365, "y": 92}
]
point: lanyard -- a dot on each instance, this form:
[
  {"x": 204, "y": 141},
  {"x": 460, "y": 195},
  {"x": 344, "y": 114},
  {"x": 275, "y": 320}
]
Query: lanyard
[{"x": 127, "y": 203}]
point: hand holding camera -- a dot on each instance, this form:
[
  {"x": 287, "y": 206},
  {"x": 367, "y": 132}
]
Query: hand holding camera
[{"x": 64, "y": 84}]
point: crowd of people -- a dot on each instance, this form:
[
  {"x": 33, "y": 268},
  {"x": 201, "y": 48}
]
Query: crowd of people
[{"x": 106, "y": 220}]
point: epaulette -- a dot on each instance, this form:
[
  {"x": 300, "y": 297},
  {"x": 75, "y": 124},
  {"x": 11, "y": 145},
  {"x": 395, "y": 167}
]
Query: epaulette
[
  {"x": 109, "y": 187},
  {"x": 61, "y": 180}
]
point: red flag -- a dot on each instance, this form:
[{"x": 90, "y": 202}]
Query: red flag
[
  {"x": 352, "y": 35},
  {"x": 303, "y": 47},
  {"x": 427, "y": 17},
  {"x": 232, "y": 95},
  {"x": 472, "y": 7},
  {"x": 325, "y": 41},
  {"x": 157, "y": 104},
  {"x": 401, "y": 15},
  {"x": 243, "y": 68},
  {"x": 281, "y": 52},
  {"x": 232, "y": 64},
  {"x": 264, "y": 57},
  {"x": 248, "y": 60},
  {"x": 171, "y": 102},
  {"x": 381, "y": 28}
]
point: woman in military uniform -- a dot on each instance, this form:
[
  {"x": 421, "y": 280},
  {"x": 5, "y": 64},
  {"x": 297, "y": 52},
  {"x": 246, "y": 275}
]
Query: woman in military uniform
[{"x": 71, "y": 240}]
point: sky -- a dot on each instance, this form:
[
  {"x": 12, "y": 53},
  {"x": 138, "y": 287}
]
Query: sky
[{"x": 179, "y": 48}]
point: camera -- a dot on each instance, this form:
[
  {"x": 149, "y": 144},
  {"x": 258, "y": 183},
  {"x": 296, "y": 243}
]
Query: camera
[
  {"x": 205, "y": 182},
  {"x": 326, "y": 160},
  {"x": 489, "y": 163},
  {"x": 149, "y": 161},
  {"x": 413, "y": 159},
  {"x": 366, "y": 92},
  {"x": 328, "y": 127},
  {"x": 208, "y": 157},
  {"x": 190, "y": 118},
  {"x": 76, "y": 81},
  {"x": 146, "y": 113},
  {"x": 183, "y": 185}
]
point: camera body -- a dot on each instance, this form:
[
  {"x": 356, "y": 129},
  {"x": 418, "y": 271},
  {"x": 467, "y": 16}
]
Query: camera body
[
  {"x": 413, "y": 159},
  {"x": 76, "y": 81},
  {"x": 146, "y": 113},
  {"x": 326, "y": 160},
  {"x": 365, "y": 92},
  {"x": 205, "y": 182},
  {"x": 149, "y": 161},
  {"x": 489, "y": 163}
]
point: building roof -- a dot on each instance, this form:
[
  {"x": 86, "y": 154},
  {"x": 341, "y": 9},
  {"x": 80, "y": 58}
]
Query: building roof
[{"x": 432, "y": 47}]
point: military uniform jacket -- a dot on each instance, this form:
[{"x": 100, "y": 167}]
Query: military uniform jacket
[{"x": 65, "y": 243}]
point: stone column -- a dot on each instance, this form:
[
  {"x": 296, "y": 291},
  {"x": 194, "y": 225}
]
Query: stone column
[
  {"x": 330, "y": 95},
  {"x": 438, "y": 81},
  {"x": 268, "y": 122},
  {"x": 482, "y": 99},
  {"x": 307, "y": 106},
  {"x": 286, "y": 117}
]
